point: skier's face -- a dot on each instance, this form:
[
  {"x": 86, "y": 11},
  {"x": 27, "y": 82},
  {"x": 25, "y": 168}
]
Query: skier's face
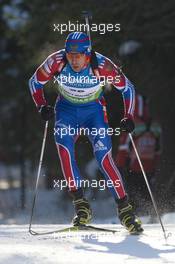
[{"x": 76, "y": 60}]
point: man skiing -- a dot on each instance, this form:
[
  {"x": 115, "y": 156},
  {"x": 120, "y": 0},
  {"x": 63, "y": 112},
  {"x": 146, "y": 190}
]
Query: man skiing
[{"x": 81, "y": 105}]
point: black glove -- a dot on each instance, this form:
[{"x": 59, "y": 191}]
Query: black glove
[
  {"x": 46, "y": 112},
  {"x": 127, "y": 125}
]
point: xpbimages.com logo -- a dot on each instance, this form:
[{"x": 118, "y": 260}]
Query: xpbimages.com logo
[
  {"x": 63, "y": 130},
  {"x": 101, "y": 28},
  {"x": 100, "y": 184},
  {"x": 71, "y": 79}
]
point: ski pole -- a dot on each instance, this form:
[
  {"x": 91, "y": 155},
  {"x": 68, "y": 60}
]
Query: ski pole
[
  {"x": 38, "y": 175},
  {"x": 148, "y": 186}
]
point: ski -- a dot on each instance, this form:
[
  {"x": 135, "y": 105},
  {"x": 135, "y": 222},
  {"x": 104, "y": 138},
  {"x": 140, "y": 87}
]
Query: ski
[
  {"x": 94, "y": 228},
  {"x": 74, "y": 229}
]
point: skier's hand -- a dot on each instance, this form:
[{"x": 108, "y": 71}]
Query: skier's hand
[
  {"x": 127, "y": 125},
  {"x": 46, "y": 112}
]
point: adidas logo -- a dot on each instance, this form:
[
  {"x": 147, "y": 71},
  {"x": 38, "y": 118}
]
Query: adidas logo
[{"x": 99, "y": 146}]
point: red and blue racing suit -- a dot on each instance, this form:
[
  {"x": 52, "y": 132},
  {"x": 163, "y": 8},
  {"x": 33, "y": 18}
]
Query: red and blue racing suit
[{"x": 80, "y": 104}]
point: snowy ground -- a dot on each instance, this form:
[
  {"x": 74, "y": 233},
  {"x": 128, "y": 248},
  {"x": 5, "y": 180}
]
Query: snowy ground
[{"x": 19, "y": 247}]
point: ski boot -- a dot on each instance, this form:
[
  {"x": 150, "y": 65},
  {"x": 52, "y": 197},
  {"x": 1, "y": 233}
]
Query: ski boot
[
  {"x": 82, "y": 209},
  {"x": 127, "y": 217}
]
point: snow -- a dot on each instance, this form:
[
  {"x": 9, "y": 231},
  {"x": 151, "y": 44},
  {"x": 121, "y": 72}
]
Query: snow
[{"x": 19, "y": 247}]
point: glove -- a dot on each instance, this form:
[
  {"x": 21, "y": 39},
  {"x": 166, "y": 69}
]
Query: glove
[
  {"x": 46, "y": 112},
  {"x": 127, "y": 125}
]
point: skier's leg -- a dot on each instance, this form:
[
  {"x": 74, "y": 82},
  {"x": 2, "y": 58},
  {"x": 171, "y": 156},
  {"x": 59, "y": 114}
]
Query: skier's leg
[
  {"x": 102, "y": 150},
  {"x": 112, "y": 175},
  {"x": 102, "y": 146},
  {"x": 65, "y": 142}
]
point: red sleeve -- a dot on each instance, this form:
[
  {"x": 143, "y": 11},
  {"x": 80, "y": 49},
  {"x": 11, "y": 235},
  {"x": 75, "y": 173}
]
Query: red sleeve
[
  {"x": 114, "y": 76},
  {"x": 43, "y": 74}
]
